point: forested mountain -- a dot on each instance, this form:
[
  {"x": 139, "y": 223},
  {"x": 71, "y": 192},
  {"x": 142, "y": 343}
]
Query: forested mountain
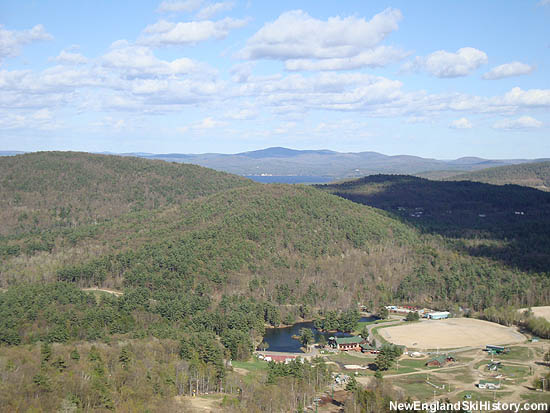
[
  {"x": 206, "y": 260},
  {"x": 535, "y": 175},
  {"x": 63, "y": 189},
  {"x": 509, "y": 223}
]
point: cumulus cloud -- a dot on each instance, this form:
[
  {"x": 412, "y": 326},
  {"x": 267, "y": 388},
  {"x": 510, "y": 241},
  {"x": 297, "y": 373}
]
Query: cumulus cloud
[
  {"x": 41, "y": 119},
  {"x": 525, "y": 122},
  {"x": 445, "y": 64},
  {"x": 215, "y": 8},
  {"x": 306, "y": 43},
  {"x": 12, "y": 40},
  {"x": 242, "y": 114},
  {"x": 531, "y": 97},
  {"x": 179, "y": 6},
  {"x": 164, "y": 33},
  {"x": 70, "y": 58},
  {"x": 140, "y": 61},
  {"x": 508, "y": 70},
  {"x": 208, "y": 123},
  {"x": 377, "y": 57},
  {"x": 461, "y": 123}
]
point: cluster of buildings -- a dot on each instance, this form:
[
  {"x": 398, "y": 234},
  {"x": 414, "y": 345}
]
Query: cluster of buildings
[{"x": 422, "y": 312}]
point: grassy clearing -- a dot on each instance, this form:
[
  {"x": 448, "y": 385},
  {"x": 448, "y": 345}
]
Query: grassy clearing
[
  {"x": 346, "y": 358},
  {"x": 408, "y": 366},
  {"x": 536, "y": 397},
  {"x": 462, "y": 375},
  {"x": 480, "y": 397},
  {"x": 416, "y": 385},
  {"x": 253, "y": 365},
  {"x": 256, "y": 369},
  {"x": 514, "y": 371},
  {"x": 516, "y": 353}
]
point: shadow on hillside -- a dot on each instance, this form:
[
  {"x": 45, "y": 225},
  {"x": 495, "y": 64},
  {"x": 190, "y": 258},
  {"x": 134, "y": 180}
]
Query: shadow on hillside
[{"x": 509, "y": 223}]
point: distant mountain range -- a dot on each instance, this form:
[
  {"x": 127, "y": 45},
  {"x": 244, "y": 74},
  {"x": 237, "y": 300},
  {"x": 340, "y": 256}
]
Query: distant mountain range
[{"x": 337, "y": 165}]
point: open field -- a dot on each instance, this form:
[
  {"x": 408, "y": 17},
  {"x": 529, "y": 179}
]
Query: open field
[
  {"x": 450, "y": 333},
  {"x": 543, "y": 311}
]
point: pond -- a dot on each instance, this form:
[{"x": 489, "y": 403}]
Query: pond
[{"x": 280, "y": 339}]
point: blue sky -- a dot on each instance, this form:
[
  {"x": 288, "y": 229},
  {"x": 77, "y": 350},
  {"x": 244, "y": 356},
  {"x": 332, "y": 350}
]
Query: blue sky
[{"x": 440, "y": 79}]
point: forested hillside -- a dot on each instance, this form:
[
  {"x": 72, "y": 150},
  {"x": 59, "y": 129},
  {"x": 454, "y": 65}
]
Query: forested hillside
[
  {"x": 510, "y": 224},
  {"x": 535, "y": 175},
  {"x": 216, "y": 260},
  {"x": 64, "y": 189}
]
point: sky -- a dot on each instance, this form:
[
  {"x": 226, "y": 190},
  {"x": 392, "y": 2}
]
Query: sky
[{"x": 434, "y": 78}]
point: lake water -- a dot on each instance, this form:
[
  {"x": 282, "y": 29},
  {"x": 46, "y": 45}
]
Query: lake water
[
  {"x": 291, "y": 179},
  {"x": 280, "y": 339}
]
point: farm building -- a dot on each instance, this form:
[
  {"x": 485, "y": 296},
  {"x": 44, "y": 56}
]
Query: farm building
[
  {"x": 496, "y": 349},
  {"x": 440, "y": 361},
  {"x": 438, "y": 315},
  {"x": 347, "y": 343},
  {"x": 277, "y": 358},
  {"x": 486, "y": 384}
]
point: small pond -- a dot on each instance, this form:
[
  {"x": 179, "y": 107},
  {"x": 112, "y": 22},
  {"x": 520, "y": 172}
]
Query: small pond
[{"x": 280, "y": 339}]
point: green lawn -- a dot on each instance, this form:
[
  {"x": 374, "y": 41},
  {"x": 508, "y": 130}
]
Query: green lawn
[
  {"x": 346, "y": 358},
  {"x": 481, "y": 397},
  {"x": 534, "y": 397},
  {"x": 515, "y": 353},
  {"x": 462, "y": 375},
  {"x": 253, "y": 365},
  {"x": 256, "y": 369},
  {"x": 416, "y": 385}
]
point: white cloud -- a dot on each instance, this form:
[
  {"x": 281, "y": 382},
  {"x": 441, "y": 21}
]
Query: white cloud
[
  {"x": 215, "y": 8},
  {"x": 417, "y": 119},
  {"x": 110, "y": 123},
  {"x": 165, "y": 33},
  {"x": 12, "y": 40},
  {"x": 140, "y": 61},
  {"x": 42, "y": 119},
  {"x": 305, "y": 42},
  {"x": 543, "y": 3},
  {"x": 445, "y": 64},
  {"x": 70, "y": 58},
  {"x": 531, "y": 97},
  {"x": 208, "y": 123},
  {"x": 242, "y": 114},
  {"x": 377, "y": 57},
  {"x": 179, "y": 6},
  {"x": 461, "y": 123},
  {"x": 525, "y": 122},
  {"x": 508, "y": 70}
]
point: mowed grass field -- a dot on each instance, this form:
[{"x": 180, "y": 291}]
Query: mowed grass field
[{"x": 450, "y": 333}]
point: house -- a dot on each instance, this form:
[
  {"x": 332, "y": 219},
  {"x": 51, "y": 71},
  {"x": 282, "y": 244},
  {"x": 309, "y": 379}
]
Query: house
[
  {"x": 347, "y": 343},
  {"x": 486, "y": 384},
  {"x": 440, "y": 361}
]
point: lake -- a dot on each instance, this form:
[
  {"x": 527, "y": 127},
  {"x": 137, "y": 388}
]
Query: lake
[
  {"x": 283, "y": 179},
  {"x": 280, "y": 339}
]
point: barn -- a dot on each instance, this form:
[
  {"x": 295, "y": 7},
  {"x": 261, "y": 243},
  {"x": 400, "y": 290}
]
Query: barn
[
  {"x": 440, "y": 361},
  {"x": 348, "y": 343}
]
